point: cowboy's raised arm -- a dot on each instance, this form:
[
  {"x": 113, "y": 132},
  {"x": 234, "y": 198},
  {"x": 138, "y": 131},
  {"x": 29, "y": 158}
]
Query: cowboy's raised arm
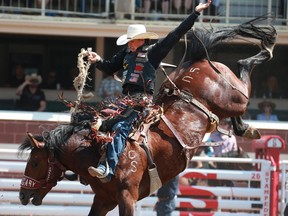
[{"x": 164, "y": 45}]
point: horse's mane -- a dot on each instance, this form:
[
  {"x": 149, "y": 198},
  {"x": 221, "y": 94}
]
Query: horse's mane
[
  {"x": 58, "y": 136},
  {"x": 54, "y": 138},
  {"x": 200, "y": 39}
]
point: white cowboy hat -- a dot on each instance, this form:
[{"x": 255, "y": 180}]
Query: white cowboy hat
[
  {"x": 136, "y": 31},
  {"x": 34, "y": 78}
]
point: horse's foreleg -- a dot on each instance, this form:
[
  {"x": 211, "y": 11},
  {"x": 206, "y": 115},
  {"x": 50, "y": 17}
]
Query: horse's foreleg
[
  {"x": 244, "y": 130},
  {"x": 245, "y": 66},
  {"x": 126, "y": 203}
]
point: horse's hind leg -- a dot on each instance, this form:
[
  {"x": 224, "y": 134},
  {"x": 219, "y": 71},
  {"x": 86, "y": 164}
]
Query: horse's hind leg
[
  {"x": 267, "y": 35},
  {"x": 244, "y": 130}
]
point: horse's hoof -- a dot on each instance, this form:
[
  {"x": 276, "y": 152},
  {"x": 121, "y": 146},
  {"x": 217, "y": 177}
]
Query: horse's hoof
[{"x": 252, "y": 133}]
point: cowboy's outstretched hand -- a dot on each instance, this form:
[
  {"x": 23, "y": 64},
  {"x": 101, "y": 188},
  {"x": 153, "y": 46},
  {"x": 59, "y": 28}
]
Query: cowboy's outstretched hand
[
  {"x": 201, "y": 6},
  {"x": 93, "y": 57}
]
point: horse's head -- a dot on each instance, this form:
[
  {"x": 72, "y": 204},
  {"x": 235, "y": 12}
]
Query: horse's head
[{"x": 41, "y": 173}]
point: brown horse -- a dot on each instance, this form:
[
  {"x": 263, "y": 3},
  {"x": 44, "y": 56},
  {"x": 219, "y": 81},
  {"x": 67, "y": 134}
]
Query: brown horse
[{"x": 195, "y": 97}]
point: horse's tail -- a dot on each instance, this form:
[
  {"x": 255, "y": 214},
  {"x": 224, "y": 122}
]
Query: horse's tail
[
  {"x": 203, "y": 40},
  {"x": 267, "y": 34}
]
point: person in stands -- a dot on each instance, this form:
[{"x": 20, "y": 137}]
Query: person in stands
[
  {"x": 228, "y": 147},
  {"x": 266, "y": 114},
  {"x": 32, "y": 98},
  {"x": 138, "y": 63},
  {"x": 271, "y": 88},
  {"x": 109, "y": 88},
  {"x": 17, "y": 77}
]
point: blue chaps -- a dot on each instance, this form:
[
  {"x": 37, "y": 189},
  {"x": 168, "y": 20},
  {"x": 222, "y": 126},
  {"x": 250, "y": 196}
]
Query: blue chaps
[{"x": 116, "y": 147}]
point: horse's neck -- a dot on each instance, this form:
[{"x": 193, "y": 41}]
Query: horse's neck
[{"x": 78, "y": 151}]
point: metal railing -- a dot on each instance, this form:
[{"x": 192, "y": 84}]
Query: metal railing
[
  {"x": 226, "y": 11},
  {"x": 57, "y": 8}
]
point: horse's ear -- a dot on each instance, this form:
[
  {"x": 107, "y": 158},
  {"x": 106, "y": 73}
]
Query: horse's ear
[{"x": 34, "y": 142}]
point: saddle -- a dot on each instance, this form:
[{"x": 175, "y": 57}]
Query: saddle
[
  {"x": 150, "y": 116},
  {"x": 102, "y": 124}
]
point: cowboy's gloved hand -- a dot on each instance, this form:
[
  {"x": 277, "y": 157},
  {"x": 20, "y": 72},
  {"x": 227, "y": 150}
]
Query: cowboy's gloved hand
[
  {"x": 93, "y": 57},
  {"x": 201, "y": 6}
]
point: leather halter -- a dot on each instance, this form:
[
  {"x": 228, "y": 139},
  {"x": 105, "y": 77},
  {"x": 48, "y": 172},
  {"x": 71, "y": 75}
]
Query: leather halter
[{"x": 50, "y": 181}]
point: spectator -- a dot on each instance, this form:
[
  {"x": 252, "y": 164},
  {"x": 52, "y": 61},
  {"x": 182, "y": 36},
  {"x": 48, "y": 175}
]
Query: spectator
[
  {"x": 31, "y": 97},
  {"x": 67, "y": 80},
  {"x": 228, "y": 147},
  {"x": 164, "y": 6},
  {"x": 267, "y": 108},
  {"x": 46, "y": 2},
  {"x": 271, "y": 88},
  {"x": 109, "y": 88},
  {"x": 187, "y": 5},
  {"x": 283, "y": 11},
  {"x": 39, "y": 3},
  {"x": 51, "y": 81},
  {"x": 167, "y": 197},
  {"x": 138, "y": 5},
  {"x": 213, "y": 10},
  {"x": 18, "y": 76}
]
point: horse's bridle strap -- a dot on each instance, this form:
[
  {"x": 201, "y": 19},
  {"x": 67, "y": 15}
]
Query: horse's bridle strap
[
  {"x": 49, "y": 182},
  {"x": 190, "y": 99},
  {"x": 187, "y": 97},
  {"x": 30, "y": 183},
  {"x": 176, "y": 134}
]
